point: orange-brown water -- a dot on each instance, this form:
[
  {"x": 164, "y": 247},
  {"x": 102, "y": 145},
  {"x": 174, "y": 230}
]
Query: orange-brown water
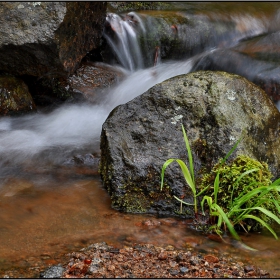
[{"x": 61, "y": 217}]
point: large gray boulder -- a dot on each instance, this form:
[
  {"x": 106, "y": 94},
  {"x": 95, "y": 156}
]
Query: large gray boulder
[
  {"x": 215, "y": 109},
  {"x": 48, "y": 38}
]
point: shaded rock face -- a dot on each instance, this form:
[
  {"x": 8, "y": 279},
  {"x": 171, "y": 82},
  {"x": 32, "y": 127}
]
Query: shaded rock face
[
  {"x": 89, "y": 82},
  {"x": 48, "y": 38},
  {"x": 14, "y": 96},
  {"x": 214, "y": 107}
]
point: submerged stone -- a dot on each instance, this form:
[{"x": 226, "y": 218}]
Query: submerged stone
[{"x": 216, "y": 109}]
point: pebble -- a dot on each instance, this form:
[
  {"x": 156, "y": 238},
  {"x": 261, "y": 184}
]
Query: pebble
[
  {"x": 211, "y": 259},
  {"x": 143, "y": 261},
  {"x": 162, "y": 255},
  {"x": 53, "y": 272},
  {"x": 184, "y": 269},
  {"x": 173, "y": 272}
]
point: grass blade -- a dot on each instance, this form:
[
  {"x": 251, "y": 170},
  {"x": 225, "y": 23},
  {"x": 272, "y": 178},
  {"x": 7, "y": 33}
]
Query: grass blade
[
  {"x": 276, "y": 182},
  {"x": 239, "y": 178},
  {"x": 267, "y": 213},
  {"x": 263, "y": 223},
  {"x": 187, "y": 175},
  {"x": 231, "y": 151},
  {"x": 216, "y": 186},
  {"x": 163, "y": 170},
  {"x": 227, "y": 222},
  {"x": 182, "y": 201},
  {"x": 190, "y": 158},
  {"x": 209, "y": 202}
]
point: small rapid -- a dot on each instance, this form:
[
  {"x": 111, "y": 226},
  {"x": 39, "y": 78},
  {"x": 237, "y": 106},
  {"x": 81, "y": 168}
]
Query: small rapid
[{"x": 52, "y": 138}]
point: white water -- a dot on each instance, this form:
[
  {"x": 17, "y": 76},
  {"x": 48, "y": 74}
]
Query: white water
[
  {"x": 45, "y": 139},
  {"x": 125, "y": 44},
  {"x": 73, "y": 129}
]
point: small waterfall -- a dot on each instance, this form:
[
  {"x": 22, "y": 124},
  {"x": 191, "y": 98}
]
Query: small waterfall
[
  {"x": 125, "y": 43},
  {"x": 50, "y": 138}
]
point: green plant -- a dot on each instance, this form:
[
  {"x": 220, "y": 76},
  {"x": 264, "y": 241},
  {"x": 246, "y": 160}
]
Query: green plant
[
  {"x": 250, "y": 193},
  {"x": 187, "y": 172},
  {"x": 236, "y": 179}
]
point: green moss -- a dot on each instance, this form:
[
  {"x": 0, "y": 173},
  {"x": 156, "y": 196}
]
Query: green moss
[
  {"x": 125, "y": 6},
  {"x": 131, "y": 202},
  {"x": 229, "y": 174},
  {"x": 137, "y": 199}
]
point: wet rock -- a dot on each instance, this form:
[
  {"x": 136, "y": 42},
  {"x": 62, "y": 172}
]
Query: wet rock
[
  {"x": 14, "y": 96},
  {"x": 248, "y": 268},
  {"x": 122, "y": 6},
  {"x": 91, "y": 80},
  {"x": 256, "y": 59},
  {"x": 215, "y": 109},
  {"x": 48, "y": 38},
  {"x": 184, "y": 269},
  {"x": 168, "y": 34},
  {"x": 174, "y": 272},
  {"x": 211, "y": 259},
  {"x": 162, "y": 255},
  {"x": 53, "y": 272}
]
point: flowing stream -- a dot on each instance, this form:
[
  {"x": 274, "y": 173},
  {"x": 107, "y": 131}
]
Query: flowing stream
[{"x": 49, "y": 203}]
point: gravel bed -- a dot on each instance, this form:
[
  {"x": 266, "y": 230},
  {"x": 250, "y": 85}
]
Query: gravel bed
[{"x": 148, "y": 261}]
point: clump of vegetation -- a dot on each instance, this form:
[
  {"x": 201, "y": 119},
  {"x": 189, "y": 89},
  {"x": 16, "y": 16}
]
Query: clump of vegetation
[
  {"x": 234, "y": 194},
  {"x": 239, "y": 177}
]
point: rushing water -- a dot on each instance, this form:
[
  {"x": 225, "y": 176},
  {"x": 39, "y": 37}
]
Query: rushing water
[{"x": 48, "y": 205}]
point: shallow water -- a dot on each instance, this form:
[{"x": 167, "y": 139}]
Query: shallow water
[
  {"x": 37, "y": 222},
  {"x": 50, "y": 205}
]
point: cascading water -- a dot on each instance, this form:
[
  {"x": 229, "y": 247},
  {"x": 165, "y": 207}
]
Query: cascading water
[
  {"x": 38, "y": 143},
  {"x": 70, "y": 129},
  {"x": 125, "y": 42}
]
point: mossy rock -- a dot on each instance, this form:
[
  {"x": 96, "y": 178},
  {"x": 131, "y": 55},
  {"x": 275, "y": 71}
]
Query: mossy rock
[
  {"x": 14, "y": 96},
  {"x": 216, "y": 108}
]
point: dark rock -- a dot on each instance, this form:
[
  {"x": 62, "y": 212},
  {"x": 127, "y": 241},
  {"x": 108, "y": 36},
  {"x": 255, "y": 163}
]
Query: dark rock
[
  {"x": 215, "y": 109},
  {"x": 92, "y": 80},
  {"x": 256, "y": 59},
  {"x": 48, "y": 38},
  {"x": 174, "y": 272},
  {"x": 89, "y": 82},
  {"x": 14, "y": 96},
  {"x": 53, "y": 272},
  {"x": 248, "y": 268}
]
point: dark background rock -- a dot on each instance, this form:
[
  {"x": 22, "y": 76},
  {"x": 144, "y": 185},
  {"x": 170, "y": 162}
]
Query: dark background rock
[
  {"x": 48, "y": 38},
  {"x": 256, "y": 59},
  {"x": 214, "y": 107},
  {"x": 14, "y": 96},
  {"x": 89, "y": 82}
]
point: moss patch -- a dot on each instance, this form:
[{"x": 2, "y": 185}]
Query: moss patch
[{"x": 229, "y": 175}]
